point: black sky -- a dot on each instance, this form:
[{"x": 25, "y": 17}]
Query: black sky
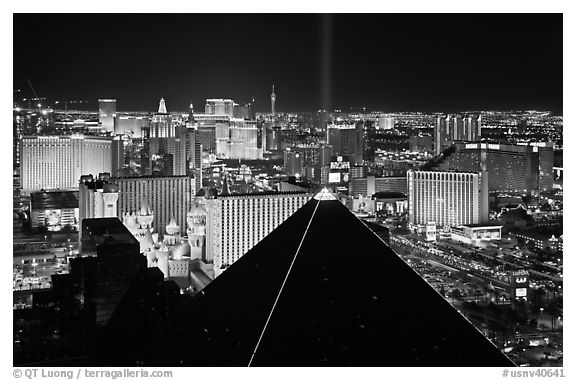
[{"x": 389, "y": 62}]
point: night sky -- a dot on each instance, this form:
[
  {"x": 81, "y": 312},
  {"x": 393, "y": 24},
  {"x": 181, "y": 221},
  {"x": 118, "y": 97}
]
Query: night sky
[{"x": 387, "y": 62}]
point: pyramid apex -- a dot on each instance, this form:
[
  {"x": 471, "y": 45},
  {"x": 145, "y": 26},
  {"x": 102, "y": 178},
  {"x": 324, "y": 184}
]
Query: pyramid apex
[{"x": 325, "y": 195}]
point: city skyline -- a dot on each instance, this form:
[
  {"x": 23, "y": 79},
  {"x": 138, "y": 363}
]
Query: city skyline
[
  {"x": 389, "y": 62},
  {"x": 288, "y": 190}
]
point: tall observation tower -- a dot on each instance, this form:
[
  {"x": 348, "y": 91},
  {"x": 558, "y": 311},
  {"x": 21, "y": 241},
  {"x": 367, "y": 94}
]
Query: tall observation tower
[{"x": 273, "y": 101}]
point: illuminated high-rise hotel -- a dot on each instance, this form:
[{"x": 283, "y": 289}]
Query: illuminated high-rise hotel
[
  {"x": 346, "y": 140},
  {"x": 240, "y": 140},
  {"x": 161, "y": 124},
  {"x": 447, "y": 198},
  {"x": 236, "y": 223},
  {"x": 168, "y": 197},
  {"x": 513, "y": 168},
  {"x": 57, "y": 162},
  {"x": 221, "y": 107},
  {"x": 106, "y": 114},
  {"x": 194, "y": 147}
]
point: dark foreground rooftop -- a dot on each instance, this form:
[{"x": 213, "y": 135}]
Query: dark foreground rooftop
[{"x": 320, "y": 290}]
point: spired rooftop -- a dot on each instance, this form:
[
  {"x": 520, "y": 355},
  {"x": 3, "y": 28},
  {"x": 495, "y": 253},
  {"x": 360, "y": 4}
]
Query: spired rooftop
[{"x": 320, "y": 290}]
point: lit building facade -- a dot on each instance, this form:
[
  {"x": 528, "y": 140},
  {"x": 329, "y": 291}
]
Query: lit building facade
[
  {"x": 106, "y": 114},
  {"x": 238, "y": 139},
  {"x": 385, "y": 122},
  {"x": 347, "y": 140},
  {"x": 130, "y": 125},
  {"x": 293, "y": 162},
  {"x": 56, "y": 162},
  {"x": 221, "y": 107},
  {"x": 236, "y": 223},
  {"x": 117, "y": 156},
  {"x": 194, "y": 149},
  {"x": 451, "y": 128},
  {"x": 98, "y": 198},
  {"x": 447, "y": 198},
  {"x": 476, "y": 235},
  {"x": 513, "y": 168},
  {"x": 206, "y": 126},
  {"x": 166, "y": 196},
  {"x": 161, "y": 125},
  {"x": 54, "y": 209},
  {"x": 307, "y": 160},
  {"x": 371, "y": 185}
]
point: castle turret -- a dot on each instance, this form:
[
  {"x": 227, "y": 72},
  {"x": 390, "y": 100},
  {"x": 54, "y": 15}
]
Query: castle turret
[
  {"x": 196, "y": 219},
  {"x": 145, "y": 216},
  {"x": 172, "y": 236}
]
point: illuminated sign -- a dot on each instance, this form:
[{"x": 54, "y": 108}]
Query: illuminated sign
[
  {"x": 493, "y": 146},
  {"x": 430, "y": 231},
  {"x": 521, "y": 272},
  {"x": 333, "y": 177},
  {"x": 521, "y": 292},
  {"x": 340, "y": 164},
  {"x": 539, "y": 144},
  {"x": 471, "y": 146}
]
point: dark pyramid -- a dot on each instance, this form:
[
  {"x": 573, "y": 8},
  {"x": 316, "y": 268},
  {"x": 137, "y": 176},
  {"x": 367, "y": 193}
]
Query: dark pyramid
[{"x": 348, "y": 300}]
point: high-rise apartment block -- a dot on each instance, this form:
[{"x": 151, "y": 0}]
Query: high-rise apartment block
[
  {"x": 447, "y": 198},
  {"x": 167, "y": 197},
  {"x": 56, "y": 162},
  {"x": 236, "y": 223},
  {"x": 451, "y": 128}
]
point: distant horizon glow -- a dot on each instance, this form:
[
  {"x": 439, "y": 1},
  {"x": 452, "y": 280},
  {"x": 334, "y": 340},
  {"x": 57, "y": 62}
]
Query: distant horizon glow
[{"x": 388, "y": 62}]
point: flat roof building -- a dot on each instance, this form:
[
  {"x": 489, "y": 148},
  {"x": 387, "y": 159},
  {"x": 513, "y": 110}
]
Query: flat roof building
[
  {"x": 447, "y": 198},
  {"x": 56, "y": 162},
  {"x": 236, "y": 223},
  {"x": 513, "y": 168},
  {"x": 167, "y": 197}
]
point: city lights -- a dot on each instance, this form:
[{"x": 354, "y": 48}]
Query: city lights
[{"x": 347, "y": 192}]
